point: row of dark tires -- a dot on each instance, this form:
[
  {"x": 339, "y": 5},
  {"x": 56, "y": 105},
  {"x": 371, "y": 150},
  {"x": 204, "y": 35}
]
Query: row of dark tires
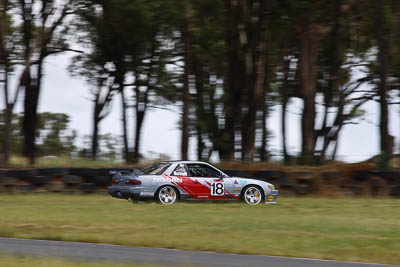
[
  {"x": 55, "y": 188},
  {"x": 66, "y": 179},
  {"x": 329, "y": 176},
  {"x": 92, "y": 179}
]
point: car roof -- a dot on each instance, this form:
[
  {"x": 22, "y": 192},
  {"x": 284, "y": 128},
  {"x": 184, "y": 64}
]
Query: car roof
[{"x": 184, "y": 161}]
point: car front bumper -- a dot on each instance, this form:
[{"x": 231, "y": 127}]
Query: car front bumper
[{"x": 271, "y": 197}]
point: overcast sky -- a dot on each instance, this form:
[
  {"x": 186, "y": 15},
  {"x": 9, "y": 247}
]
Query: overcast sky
[{"x": 64, "y": 94}]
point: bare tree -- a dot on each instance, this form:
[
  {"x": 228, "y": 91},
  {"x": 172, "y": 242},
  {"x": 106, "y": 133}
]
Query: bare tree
[
  {"x": 9, "y": 99},
  {"x": 38, "y": 33}
]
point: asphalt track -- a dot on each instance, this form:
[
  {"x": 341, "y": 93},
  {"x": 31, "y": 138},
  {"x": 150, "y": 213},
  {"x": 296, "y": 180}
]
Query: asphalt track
[{"x": 140, "y": 255}]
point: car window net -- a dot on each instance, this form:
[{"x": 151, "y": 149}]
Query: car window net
[{"x": 197, "y": 170}]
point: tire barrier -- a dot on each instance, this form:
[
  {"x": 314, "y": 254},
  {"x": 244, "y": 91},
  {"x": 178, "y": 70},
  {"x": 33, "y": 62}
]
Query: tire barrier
[
  {"x": 392, "y": 181},
  {"x": 71, "y": 180},
  {"x": 290, "y": 183},
  {"x": 87, "y": 188},
  {"x": 53, "y": 171},
  {"x": 331, "y": 177}
]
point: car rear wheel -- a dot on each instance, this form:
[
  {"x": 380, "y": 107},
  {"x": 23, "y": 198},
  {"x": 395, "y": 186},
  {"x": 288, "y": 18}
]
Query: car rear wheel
[
  {"x": 252, "y": 195},
  {"x": 167, "y": 195}
]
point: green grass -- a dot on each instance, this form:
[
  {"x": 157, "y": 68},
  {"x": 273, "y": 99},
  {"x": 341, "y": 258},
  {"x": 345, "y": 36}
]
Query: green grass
[
  {"x": 12, "y": 261},
  {"x": 349, "y": 229}
]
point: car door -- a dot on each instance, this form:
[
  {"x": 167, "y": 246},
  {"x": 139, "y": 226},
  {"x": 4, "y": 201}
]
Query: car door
[
  {"x": 208, "y": 182},
  {"x": 179, "y": 177}
]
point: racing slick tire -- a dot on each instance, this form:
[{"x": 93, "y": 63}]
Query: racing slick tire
[
  {"x": 253, "y": 195},
  {"x": 167, "y": 195}
]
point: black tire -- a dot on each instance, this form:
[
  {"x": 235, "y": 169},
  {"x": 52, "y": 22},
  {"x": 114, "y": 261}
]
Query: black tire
[
  {"x": 8, "y": 181},
  {"x": 300, "y": 175},
  {"x": 52, "y": 171},
  {"x": 287, "y": 181},
  {"x": 25, "y": 188},
  {"x": 361, "y": 175},
  {"x": 356, "y": 190},
  {"x": 54, "y": 187},
  {"x": 39, "y": 180},
  {"x": 390, "y": 176},
  {"x": 308, "y": 182},
  {"x": 22, "y": 174},
  {"x": 84, "y": 172},
  {"x": 302, "y": 190},
  {"x": 71, "y": 179},
  {"x": 252, "y": 190},
  {"x": 395, "y": 191},
  {"x": 267, "y": 175},
  {"x": 167, "y": 195},
  {"x": 87, "y": 188},
  {"x": 331, "y": 177},
  {"x": 102, "y": 180}
]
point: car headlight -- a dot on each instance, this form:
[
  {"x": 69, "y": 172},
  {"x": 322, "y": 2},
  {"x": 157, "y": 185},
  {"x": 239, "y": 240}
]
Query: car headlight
[{"x": 271, "y": 187}]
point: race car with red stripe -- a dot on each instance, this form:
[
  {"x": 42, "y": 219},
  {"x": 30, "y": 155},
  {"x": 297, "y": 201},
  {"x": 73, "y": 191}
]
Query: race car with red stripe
[{"x": 170, "y": 181}]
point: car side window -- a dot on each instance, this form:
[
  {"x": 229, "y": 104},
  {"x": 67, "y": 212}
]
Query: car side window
[
  {"x": 202, "y": 170},
  {"x": 180, "y": 170}
]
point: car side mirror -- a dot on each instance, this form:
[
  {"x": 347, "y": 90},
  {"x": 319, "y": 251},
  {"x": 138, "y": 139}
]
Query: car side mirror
[{"x": 223, "y": 175}]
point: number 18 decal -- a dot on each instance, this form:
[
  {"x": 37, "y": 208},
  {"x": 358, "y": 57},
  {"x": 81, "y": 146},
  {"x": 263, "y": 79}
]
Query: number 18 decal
[{"x": 217, "y": 189}]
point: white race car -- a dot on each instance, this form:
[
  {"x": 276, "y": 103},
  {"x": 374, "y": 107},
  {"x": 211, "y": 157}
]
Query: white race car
[{"x": 170, "y": 181}]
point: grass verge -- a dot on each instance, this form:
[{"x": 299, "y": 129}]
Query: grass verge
[
  {"x": 348, "y": 229},
  {"x": 12, "y": 261}
]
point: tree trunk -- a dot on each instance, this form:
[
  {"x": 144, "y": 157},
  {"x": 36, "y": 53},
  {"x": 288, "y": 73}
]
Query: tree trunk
[
  {"x": 140, "y": 109},
  {"x": 334, "y": 153},
  {"x": 7, "y": 135},
  {"x": 95, "y": 132},
  {"x": 7, "y": 120},
  {"x": 284, "y": 95},
  {"x": 383, "y": 54},
  {"x": 336, "y": 57},
  {"x": 264, "y": 130},
  {"x": 256, "y": 82},
  {"x": 29, "y": 120},
  {"x": 32, "y": 91},
  {"x": 234, "y": 81},
  {"x": 185, "y": 115},
  {"x": 139, "y": 123},
  {"x": 120, "y": 80},
  {"x": 35, "y": 44},
  {"x": 124, "y": 126},
  {"x": 200, "y": 145},
  {"x": 186, "y": 76},
  {"x": 308, "y": 80},
  {"x": 264, "y": 156},
  {"x": 200, "y": 114},
  {"x": 4, "y": 61}
]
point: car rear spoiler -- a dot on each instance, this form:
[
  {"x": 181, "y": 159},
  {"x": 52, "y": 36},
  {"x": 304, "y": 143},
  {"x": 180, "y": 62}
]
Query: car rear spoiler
[{"x": 133, "y": 172}]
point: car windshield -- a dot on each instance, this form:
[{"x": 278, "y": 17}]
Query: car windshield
[{"x": 155, "y": 168}]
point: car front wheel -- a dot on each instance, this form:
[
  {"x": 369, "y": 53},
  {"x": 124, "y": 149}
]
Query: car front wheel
[
  {"x": 253, "y": 195},
  {"x": 167, "y": 195}
]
